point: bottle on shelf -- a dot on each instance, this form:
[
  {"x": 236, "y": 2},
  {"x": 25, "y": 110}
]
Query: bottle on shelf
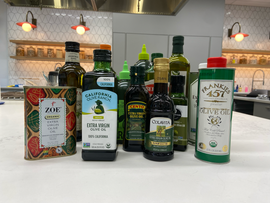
[
  {"x": 262, "y": 60},
  {"x": 243, "y": 59},
  {"x": 143, "y": 59},
  {"x": 136, "y": 99},
  {"x": 149, "y": 74},
  {"x": 234, "y": 59},
  {"x": 71, "y": 75},
  {"x": 253, "y": 60},
  {"x": 123, "y": 84},
  {"x": 236, "y": 89},
  {"x": 179, "y": 64},
  {"x": 181, "y": 112},
  {"x": 158, "y": 142},
  {"x": 240, "y": 89},
  {"x": 99, "y": 109}
]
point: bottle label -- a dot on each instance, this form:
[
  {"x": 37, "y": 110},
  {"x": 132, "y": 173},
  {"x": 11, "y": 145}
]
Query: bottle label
[
  {"x": 121, "y": 119},
  {"x": 193, "y": 110},
  {"x": 160, "y": 137},
  {"x": 52, "y": 122},
  {"x": 214, "y": 116},
  {"x": 135, "y": 120},
  {"x": 99, "y": 120},
  {"x": 161, "y": 76},
  {"x": 105, "y": 81},
  {"x": 79, "y": 109},
  {"x": 150, "y": 86},
  {"x": 180, "y": 125},
  {"x": 72, "y": 57}
]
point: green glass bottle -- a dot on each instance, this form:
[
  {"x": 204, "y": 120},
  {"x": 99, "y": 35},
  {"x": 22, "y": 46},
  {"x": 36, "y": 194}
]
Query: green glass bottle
[
  {"x": 136, "y": 98},
  {"x": 99, "y": 110},
  {"x": 179, "y": 65},
  {"x": 149, "y": 74},
  {"x": 71, "y": 75},
  {"x": 181, "y": 112},
  {"x": 158, "y": 142},
  {"x": 123, "y": 84}
]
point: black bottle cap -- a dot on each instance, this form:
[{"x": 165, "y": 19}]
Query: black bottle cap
[
  {"x": 178, "y": 43},
  {"x": 53, "y": 73},
  {"x": 177, "y": 83},
  {"x": 72, "y": 46},
  {"x": 136, "y": 71},
  {"x": 156, "y": 55},
  {"x": 102, "y": 55}
]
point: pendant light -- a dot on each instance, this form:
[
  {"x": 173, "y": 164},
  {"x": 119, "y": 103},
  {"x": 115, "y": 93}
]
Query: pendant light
[
  {"x": 81, "y": 28},
  {"x": 26, "y": 26},
  {"x": 238, "y": 36}
]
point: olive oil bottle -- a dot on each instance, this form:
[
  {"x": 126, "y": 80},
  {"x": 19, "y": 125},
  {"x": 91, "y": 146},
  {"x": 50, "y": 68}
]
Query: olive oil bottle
[
  {"x": 179, "y": 65},
  {"x": 143, "y": 59},
  {"x": 99, "y": 109},
  {"x": 71, "y": 75},
  {"x": 149, "y": 74},
  {"x": 181, "y": 112},
  {"x": 123, "y": 84},
  {"x": 136, "y": 99},
  {"x": 158, "y": 142}
]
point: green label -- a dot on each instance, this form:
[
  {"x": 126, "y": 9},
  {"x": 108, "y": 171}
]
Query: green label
[
  {"x": 180, "y": 125},
  {"x": 135, "y": 120},
  {"x": 121, "y": 120},
  {"x": 160, "y": 140}
]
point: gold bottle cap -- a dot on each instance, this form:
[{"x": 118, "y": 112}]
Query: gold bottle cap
[{"x": 161, "y": 64}]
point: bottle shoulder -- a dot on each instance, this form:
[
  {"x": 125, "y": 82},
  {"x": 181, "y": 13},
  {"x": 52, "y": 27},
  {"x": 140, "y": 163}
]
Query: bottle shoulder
[
  {"x": 99, "y": 74},
  {"x": 161, "y": 102},
  {"x": 72, "y": 68},
  {"x": 176, "y": 58},
  {"x": 137, "y": 93}
]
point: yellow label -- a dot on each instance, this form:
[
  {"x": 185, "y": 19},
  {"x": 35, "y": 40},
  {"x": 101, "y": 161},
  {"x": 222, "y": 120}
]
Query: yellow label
[
  {"x": 98, "y": 117},
  {"x": 161, "y": 143}
]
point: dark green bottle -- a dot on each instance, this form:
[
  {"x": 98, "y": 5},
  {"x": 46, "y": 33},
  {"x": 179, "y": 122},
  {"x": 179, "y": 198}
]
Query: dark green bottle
[
  {"x": 71, "y": 75},
  {"x": 149, "y": 74},
  {"x": 136, "y": 98},
  {"x": 99, "y": 110},
  {"x": 179, "y": 65},
  {"x": 123, "y": 84},
  {"x": 158, "y": 142},
  {"x": 181, "y": 112}
]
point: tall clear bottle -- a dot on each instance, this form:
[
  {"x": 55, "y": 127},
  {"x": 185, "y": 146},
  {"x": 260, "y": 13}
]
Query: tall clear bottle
[
  {"x": 99, "y": 109},
  {"x": 179, "y": 64},
  {"x": 71, "y": 75},
  {"x": 158, "y": 142},
  {"x": 136, "y": 99}
]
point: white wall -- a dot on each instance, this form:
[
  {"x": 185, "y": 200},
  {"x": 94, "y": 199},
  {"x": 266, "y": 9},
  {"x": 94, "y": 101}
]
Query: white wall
[
  {"x": 201, "y": 23},
  {"x": 3, "y": 45}
]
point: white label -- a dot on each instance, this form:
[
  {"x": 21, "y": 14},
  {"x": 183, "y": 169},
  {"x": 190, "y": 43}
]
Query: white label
[
  {"x": 72, "y": 57},
  {"x": 79, "y": 109},
  {"x": 105, "y": 81},
  {"x": 214, "y": 116},
  {"x": 159, "y": 121},
  {"x": 52, "y": 122},
  {"x": 193, "y": 94}
]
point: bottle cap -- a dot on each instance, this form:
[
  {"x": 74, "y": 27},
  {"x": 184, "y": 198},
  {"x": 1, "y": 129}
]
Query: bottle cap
[
  {"x": 102, "y": 55},
  {"x": 105, "y": 46},
  {"x": 72, "y": 46},
  {"x": 177, "y": 83},
  {"x": 178, "y": 43},
  {"x": 143, "y": 55},
  {"x": 137, "y": 71},
  {"x": 156, "y": 55},
  {"x": 202, "y": 65},
  {"x": 161, "y": 64},
  {"x": 216, "y": 62},
  {"x": 124, "y": 74}
]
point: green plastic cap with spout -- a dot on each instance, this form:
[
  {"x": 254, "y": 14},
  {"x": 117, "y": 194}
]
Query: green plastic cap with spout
[
  {"x": 124, "y": 74},
  {"x": 143, "y": 55}
]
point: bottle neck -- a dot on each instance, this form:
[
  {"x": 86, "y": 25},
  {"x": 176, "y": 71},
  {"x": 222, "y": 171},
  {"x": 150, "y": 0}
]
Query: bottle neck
[
  {"x": 161, "y": 88},
  {"x": 102, "y": 66},
  {"x": 161, "y": 82},
  {"x": 137, "y": 80},
  {"x": 178, "y": 49},
  {"x": 72, "y": 57}
]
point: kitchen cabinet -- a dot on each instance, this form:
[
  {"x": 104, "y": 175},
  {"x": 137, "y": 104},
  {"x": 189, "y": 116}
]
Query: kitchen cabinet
[{"x": 261, "y": 110}]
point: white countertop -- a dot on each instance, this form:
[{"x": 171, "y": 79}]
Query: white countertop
[
  {"x": 132, "y": 178},
  {"x": 251, "y": 99}
]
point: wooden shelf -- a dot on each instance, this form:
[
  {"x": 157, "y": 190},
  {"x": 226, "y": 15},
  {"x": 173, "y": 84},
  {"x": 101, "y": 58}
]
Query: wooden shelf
[
  {"x": 246, "y": 51},
  {"x": 47, "y": 43},
  {"x": 47, "y": 59},
  {"x": 248, "y": 66}
]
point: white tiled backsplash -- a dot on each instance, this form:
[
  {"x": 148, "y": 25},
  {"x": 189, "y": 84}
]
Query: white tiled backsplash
[
  {"x": 53, "y": 25},
  {"x": 254, "y": 21}
]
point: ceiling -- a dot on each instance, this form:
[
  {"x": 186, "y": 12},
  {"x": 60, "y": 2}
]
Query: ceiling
[{"x": 262, "y": 3}]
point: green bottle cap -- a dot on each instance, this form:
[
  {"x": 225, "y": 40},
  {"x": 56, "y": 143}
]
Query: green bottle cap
[
  {"x": 124, "y": 74},
  {"x": 178, "y": 43},
  {"x": 156, "y": 55},
  {"x": 137, "y": 71},
  {"x": 143, "y": 55}
]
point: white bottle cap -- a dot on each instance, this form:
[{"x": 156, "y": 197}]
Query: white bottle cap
[{"x": 202, "y": 65}]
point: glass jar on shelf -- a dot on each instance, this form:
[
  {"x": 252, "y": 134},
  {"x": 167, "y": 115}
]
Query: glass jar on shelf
[
  {"x": 40, "y": 52},
  {"x": 31, "y": 51},
  {"x": 59, "y": 53},
  {"x": 234, "y": 59},
  {"x": 82, "y": 55},
  {"x": 253, "y": 60},
  {"x": 243, "y": 59},
  {"x": 19, "y": 51},
  {"x": 262, "y": 60},
  {"x": 50, "y": 53}
]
